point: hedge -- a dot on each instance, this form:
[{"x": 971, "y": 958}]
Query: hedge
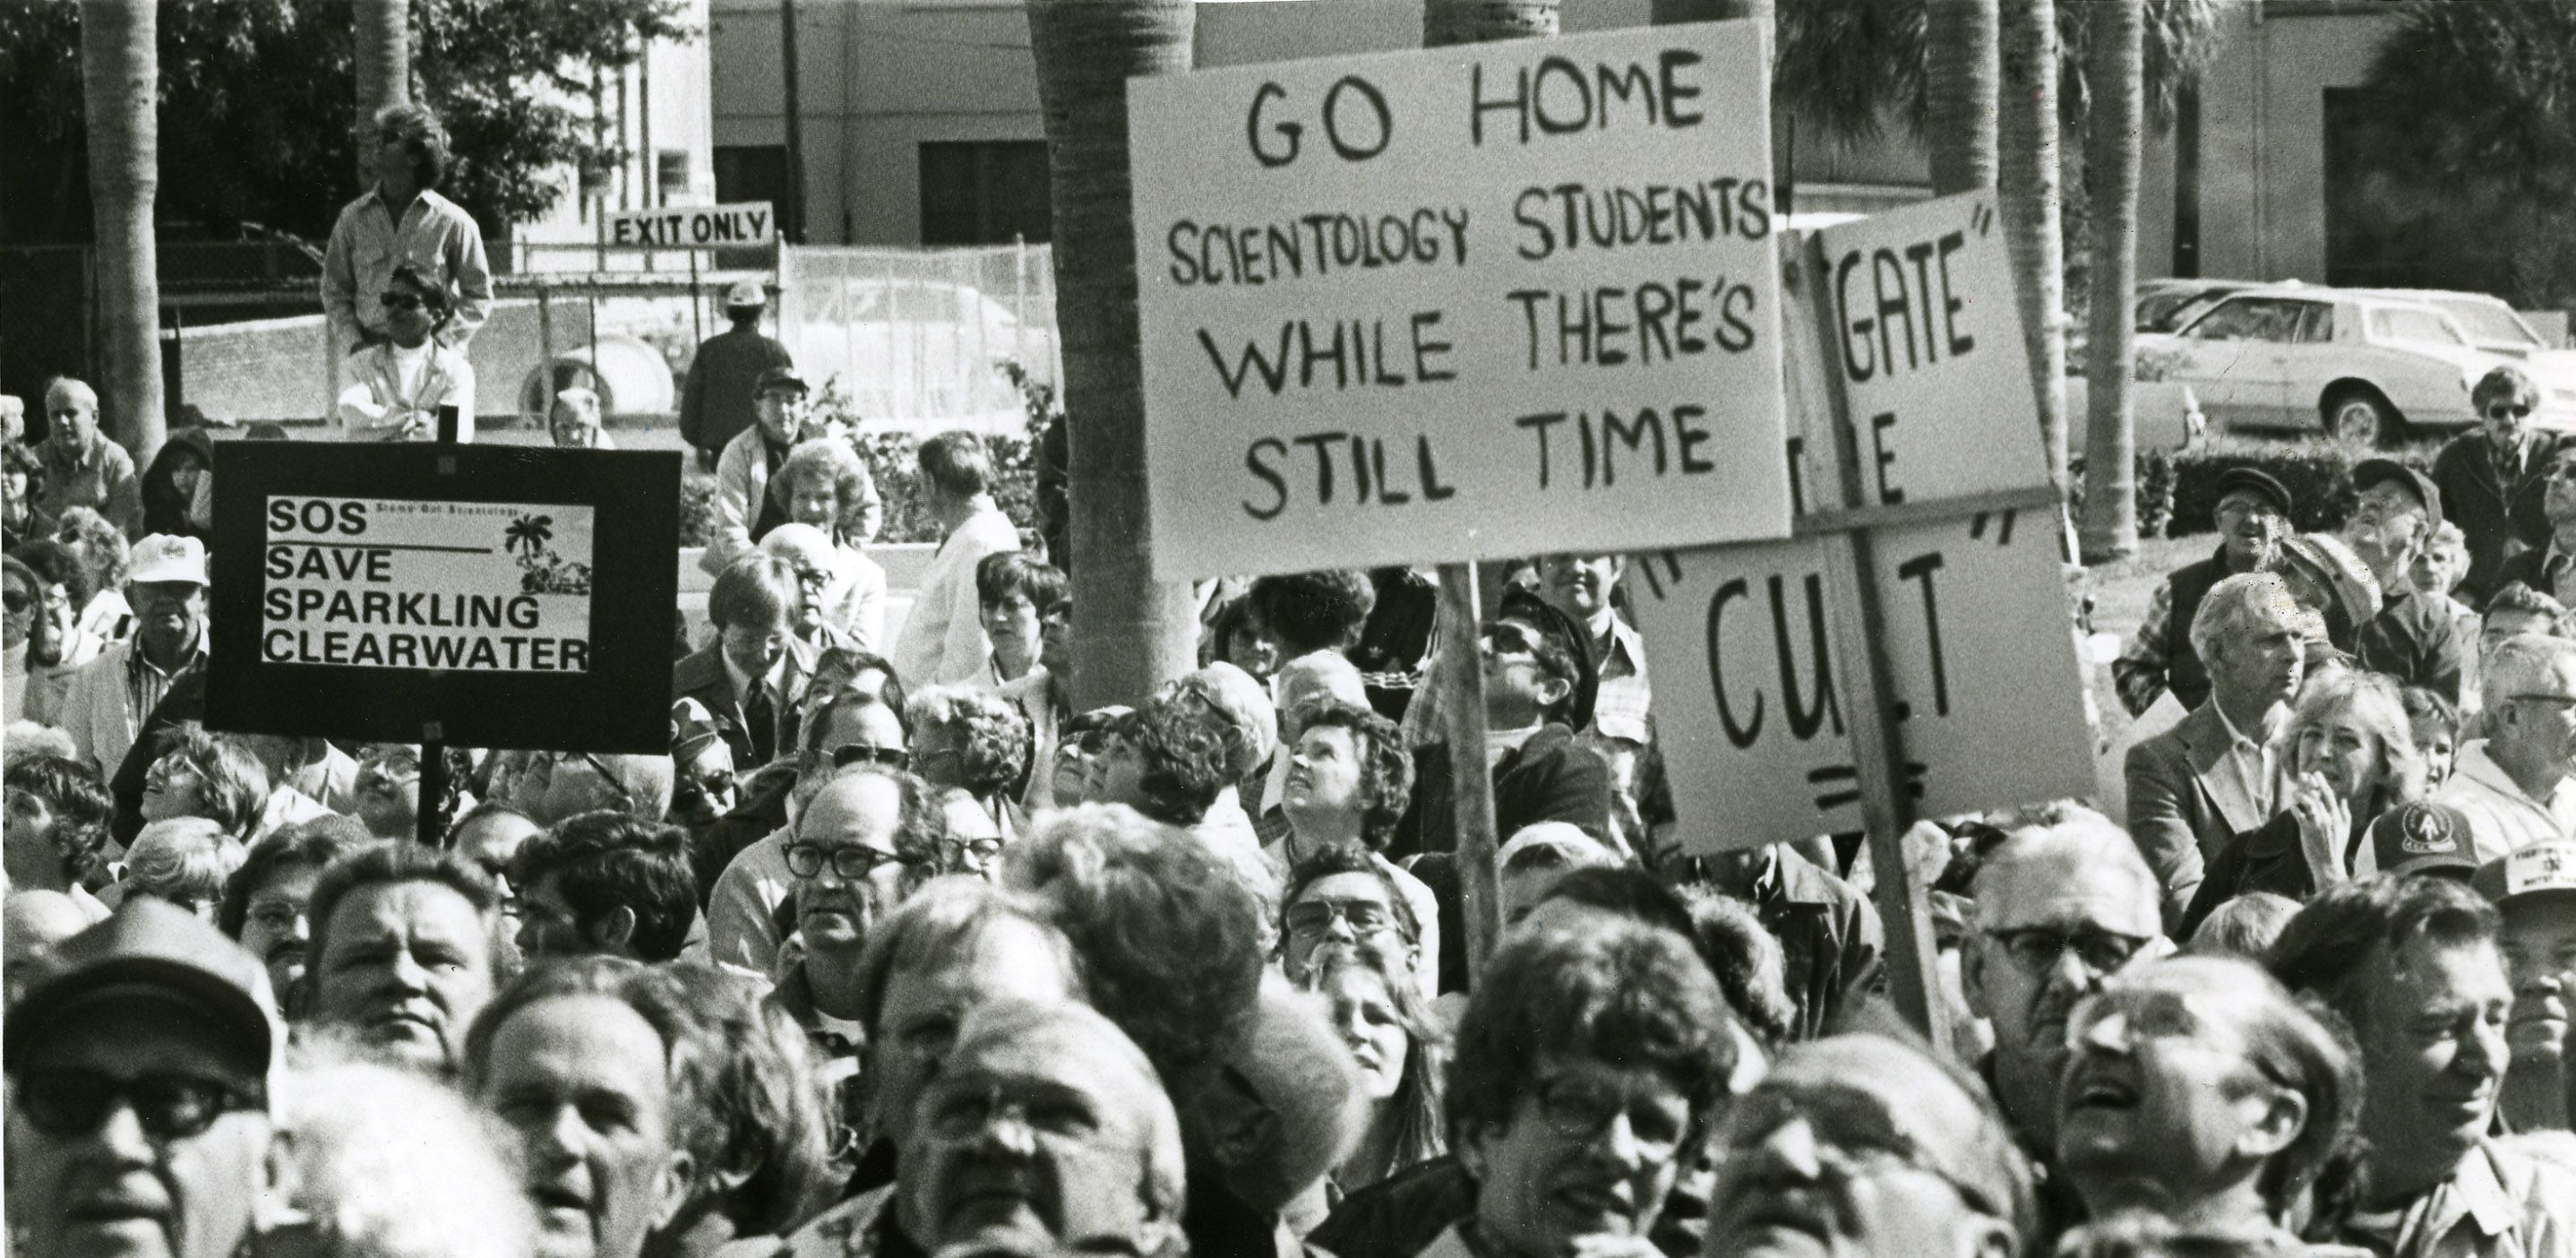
[{"x": 2318, "y": 476}]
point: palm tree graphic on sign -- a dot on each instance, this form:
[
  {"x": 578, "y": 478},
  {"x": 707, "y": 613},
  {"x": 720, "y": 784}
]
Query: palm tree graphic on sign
[{"x": 541, "y": 570}]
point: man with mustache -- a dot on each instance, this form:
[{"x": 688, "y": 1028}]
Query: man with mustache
[
  {"x": 2196, "y": 787},
  {"x": 2253, "y": 515},
  {"x": 1860, "y": 1145},
  {"x": 2535, "y": 891},
  {"x": 2412, "y": 965},
  {"x": 2512, "y": 784},
  {"x": 139, "y": 1066},
  {"x": 406, "y": 951},
  {"x": 2059, "y": 910}
]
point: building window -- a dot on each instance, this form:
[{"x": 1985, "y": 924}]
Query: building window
[
  {"x": 985, "y": 192},
  {"x": 748, "y": 172}
]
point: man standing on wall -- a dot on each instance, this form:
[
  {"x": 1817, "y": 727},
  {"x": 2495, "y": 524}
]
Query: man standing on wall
[{"x": 716, "y": 401}]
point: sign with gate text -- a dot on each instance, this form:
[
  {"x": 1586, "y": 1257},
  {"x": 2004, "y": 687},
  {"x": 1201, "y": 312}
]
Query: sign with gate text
[{"x": 1463, "y": 303}]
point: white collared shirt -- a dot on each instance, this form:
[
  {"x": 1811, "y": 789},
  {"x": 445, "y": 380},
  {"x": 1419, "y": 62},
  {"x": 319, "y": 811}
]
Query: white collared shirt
[
  {"x": 2252, "y": 761},
  {"x": 2503, "y": 818}
]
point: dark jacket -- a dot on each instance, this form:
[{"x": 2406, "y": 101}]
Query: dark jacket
[
  {"x": 2185, "y": 676},
  {"x": 1834, "y": 941},
  {"x": 1399, "y": 1216},
  {"x": 2269, "y": 859},
  {"x": 716, "y": 401},
  {"x": 1548, "y": 778},
  {"x": 165, "y": 505},
  {"x": 2414, "y": 640},
  {"x": 702, "y": 676},
  {"x": 2492, "y": 504}
]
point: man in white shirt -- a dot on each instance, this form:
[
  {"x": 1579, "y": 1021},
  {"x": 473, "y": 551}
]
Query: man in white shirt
[
  {"x": 397, "y": 387},
  {"x": 943, "y": 639},
  {"x": 109, "y": 697},
  {"x": 2512, "y": 785},
  {"x": 403, "y": 220}
]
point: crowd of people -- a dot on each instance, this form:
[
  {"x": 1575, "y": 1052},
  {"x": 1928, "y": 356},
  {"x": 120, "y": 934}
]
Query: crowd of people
[{"x": 897, "y": 951}]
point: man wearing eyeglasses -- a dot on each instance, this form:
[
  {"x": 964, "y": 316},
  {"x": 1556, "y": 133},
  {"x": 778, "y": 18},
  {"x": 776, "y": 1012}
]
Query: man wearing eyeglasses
[
  {"x": 401, "y": 220},
  {"x": 865, "y": 842},
  {"x": 398, "y": 384},
  {"x": 743, "y": 930},
  {"x": 1863, "y": 1146},
  {"x": 2490, "y": 477},
  {"x": 139, "y": 1068},
  {"x": 2512, "y": 784},
  {"x": 2253, "y": 515},
  {"x": 2060, "y": 909}
]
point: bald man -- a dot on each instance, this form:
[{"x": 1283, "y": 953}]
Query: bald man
[{"x": 1044, "y": 1124}]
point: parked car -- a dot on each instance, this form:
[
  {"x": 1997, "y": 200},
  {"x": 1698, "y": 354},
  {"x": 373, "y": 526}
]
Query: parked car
[
  {"x": 2498, "y": 329},
  {"x": 2362, "y": 368},
  {"x": 2165, "y": 305}
]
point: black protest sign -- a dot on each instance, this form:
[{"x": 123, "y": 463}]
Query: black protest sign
[{"x": 485, "y": 596}]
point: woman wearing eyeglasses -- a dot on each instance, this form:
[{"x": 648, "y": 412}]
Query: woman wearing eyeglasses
[
  {"x": 2351, "y": 755},
  {"x": 2199, "y": 1090}
]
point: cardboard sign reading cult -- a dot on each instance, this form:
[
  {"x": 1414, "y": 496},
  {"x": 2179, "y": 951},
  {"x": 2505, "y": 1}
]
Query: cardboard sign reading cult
[
  {"x": 374, "y": 591},
  {"x": 1460, "y": 304},
  {"x": 690, "y": 227},
  {"x": 1987, "y": 694}
]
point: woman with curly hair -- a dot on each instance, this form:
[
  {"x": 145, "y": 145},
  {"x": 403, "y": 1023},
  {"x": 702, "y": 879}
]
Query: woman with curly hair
[
  {"x": 103, "y": 550},
  {"x": 826, "y": 484},
  {"x": 54, "y": 823},
  {"x": 1403, "y": 1056},
  {"x": 1349, "y": 778},
  {"x": 975, "y": 742}
]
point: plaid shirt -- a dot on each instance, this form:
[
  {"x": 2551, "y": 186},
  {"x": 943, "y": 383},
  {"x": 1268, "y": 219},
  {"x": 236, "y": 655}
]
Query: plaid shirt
[{"x": 2139, "y": 673}]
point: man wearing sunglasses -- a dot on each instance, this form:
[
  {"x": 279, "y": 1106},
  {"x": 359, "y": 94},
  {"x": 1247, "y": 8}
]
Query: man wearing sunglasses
[
  {"x": 2550, "y": 565},
  {"x": 2490, "y": 478},
  {"x": 397, "y": 385},
  {"x": 1539, "y": 689},
  {"x": 139, "y": 1068}
]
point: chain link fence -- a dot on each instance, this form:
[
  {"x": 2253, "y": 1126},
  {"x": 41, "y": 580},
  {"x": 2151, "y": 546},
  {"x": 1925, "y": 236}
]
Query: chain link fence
[{"x": 915, "y": 337}]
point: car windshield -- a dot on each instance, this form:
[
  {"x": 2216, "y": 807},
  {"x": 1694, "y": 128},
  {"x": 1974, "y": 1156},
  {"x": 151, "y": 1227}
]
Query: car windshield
[
  {"x": 2491, "y": 324},
  {"x": 2164, "y": 312}
]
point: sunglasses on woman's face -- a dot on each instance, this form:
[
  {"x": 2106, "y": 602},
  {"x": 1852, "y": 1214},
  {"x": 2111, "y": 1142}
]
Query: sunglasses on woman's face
[
  {"x": 402, "y": 301},
  {"x": 16, "y": 599}
]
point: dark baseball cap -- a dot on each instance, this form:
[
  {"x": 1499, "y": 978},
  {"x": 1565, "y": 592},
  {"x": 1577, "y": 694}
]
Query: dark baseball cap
[
  {"x": 2540, "y": 869},
  {"x": 2255, "y": 481},
  {"x": 780, "y": 378},
  {"x": 2370, "y": 472},
  {"x": 1528, "y": 608},
  {"x": 148, "y": 949},
  {"x": 2423, "y": 837}
]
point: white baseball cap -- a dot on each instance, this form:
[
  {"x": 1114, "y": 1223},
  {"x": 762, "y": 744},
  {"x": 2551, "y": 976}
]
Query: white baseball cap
[{"x": 163, "y": 557}]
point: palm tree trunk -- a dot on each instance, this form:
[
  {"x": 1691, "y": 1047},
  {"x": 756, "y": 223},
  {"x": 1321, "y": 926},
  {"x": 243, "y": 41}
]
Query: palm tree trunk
[
  {"x": 120, "y": 88},
  {"x": 1448, "y": 22},
  {"x": 1130, "y": 632},
  {"x": 2026, "y": 185},
  {"x": 384, "y": 64},
  {"x": 1960, "y": 68},
  {"x": 2113, "y": 142}
]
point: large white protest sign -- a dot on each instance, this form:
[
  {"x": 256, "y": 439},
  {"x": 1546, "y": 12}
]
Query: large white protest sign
[
  {"x": 487, "y": 587},
  {"x": 690, "y": 227},
  {"x": 1986, "y": 692},
  {"x": 1459, "y": 304}
]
